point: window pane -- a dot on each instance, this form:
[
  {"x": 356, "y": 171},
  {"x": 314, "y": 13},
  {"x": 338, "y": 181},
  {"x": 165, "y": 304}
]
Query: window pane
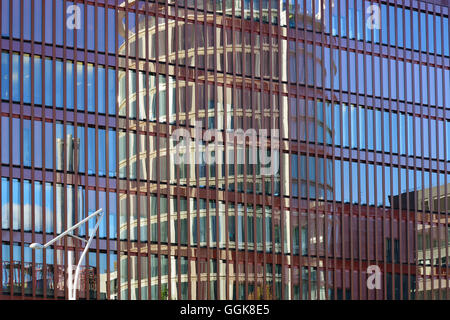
[
  {"x": 111, "y": 31},
  {"x": 37, "y": 80},
  {"x": 81, "y": 148},
  {"x": 5, "y": 140},
  {"x": 439, "y": 35},
  {"x": 423, "y": 31},
  {"x": 27, "y": 143},
  {"x": 38, "y": 21},
  {"x": 80, "y": 32},
  {"x": 101, "y": 152},
  {"x": 91, "y": 88},
  {"x": 60, "y": 146},
  {"x": 5, "y": 76},
  {"x": 112, "y": 153},
  {"x": 101, "y": 29},
  {"x": 446, "y": 38},
  {"x": 431, "y": 33},
  {"x": 5, "y": 203},
  {"x": 386, "y": 126},
  {"x": 16, "y": 205},
  {"x": 37, "y": 144},
  {"x": 101, "y": 90},
  {"x": 70, "y": 85},
  {"x": 91, "y": 151},
  {"x": 408, "y": 27},
  {"x": 59, "y": 89},
  {"x": 5, "y": 18},
  {"x": 102, "y": 204},
  {"x": 48, "y": 82},
  {"x": 38, "y": 206},
  {"x": 48, "y": 208},
  {"x": 16, "y": 19},
  {"x": 111, "y": 91},
  {"x": 59, "y": 15},
  {"x": 26, "y": 78},
  {"x": 27, "y": 217},
  {"x": 48, "y": 145},
  {"x": 392, "y": 25},
  {"x": 112, "y": 216},
  {"x": 90, "y": 21},
  {"x": 80, "y": 86},
  {"x": 16, "y": 143},
  {"x": 48, "y": 21},
  {"x": 15, "y": 78},
  {"x": 384, "y": 24},
  {"x": 400, "y": 24},
  {"x": 69, "y": 31}
]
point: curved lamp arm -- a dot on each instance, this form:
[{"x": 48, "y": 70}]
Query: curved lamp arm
[{"x": 72, "y": 286}]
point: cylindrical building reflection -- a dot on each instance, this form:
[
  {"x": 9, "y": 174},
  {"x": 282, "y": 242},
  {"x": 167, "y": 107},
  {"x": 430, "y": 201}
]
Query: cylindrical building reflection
[{"x": 162, "y": 97}]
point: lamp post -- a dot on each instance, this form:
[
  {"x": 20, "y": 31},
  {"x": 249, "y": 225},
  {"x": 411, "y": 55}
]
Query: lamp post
[{"x": 73, "y": 285}]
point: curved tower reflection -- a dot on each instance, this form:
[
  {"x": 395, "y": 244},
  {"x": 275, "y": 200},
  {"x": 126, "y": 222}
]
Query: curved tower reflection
[{"x": 177, "y": 73}]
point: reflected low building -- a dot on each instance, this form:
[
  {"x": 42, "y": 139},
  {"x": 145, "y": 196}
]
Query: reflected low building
[{"x": 432, "y": 242}]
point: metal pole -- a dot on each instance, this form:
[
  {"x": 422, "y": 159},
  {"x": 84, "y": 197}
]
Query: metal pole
[
  {"x": 69, "y": 274},
  {"x": 77, "y": 271},
  {"x": 73, "y": 285}
]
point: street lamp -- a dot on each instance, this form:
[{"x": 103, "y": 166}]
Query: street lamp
[{"x": 73, "y": 285}]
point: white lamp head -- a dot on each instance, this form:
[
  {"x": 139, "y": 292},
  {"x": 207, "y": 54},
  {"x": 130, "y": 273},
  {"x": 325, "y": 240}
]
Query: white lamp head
[{"x": 36, "y": 246}]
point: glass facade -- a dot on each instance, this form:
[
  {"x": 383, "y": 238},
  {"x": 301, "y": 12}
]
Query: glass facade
[{"x": 93, "y": 92}]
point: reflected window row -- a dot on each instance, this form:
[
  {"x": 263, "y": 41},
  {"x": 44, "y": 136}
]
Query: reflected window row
[
  {"x": 49, "y": 15},
  {"x": 76, "y": 149},
  {"x": 51, "y": 75},
  {"x": 145, "y": 157},
  {"x": 305, "y": 175},
  {"x": 375, "y": 76},
  {"x": 154, "y": 99},
  {"x": 363, "y": 128},
  {"x": 331, "y": 17},
  {"x": 204, "y": 225},
  {"x": 366, "y": 184},
  {"x": 53, "y": 201},
  {"x": 203, "y": 47},
  {"x": 371, "y": 129},
  {"x": 47, "y": 77}
]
